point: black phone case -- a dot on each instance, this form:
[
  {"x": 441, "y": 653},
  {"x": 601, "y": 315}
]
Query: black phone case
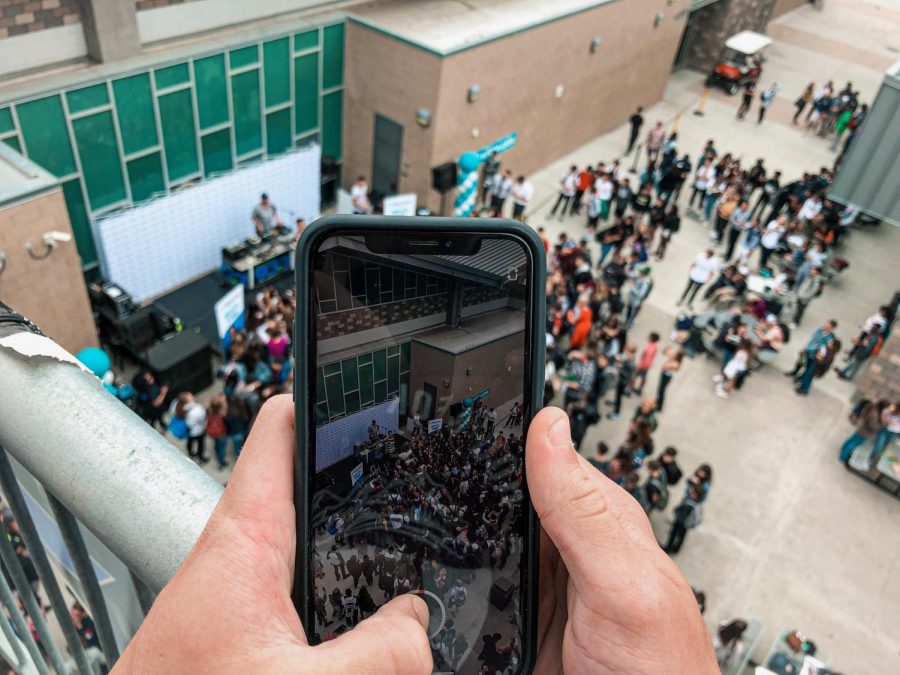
[{"x": 304, "y": 343}]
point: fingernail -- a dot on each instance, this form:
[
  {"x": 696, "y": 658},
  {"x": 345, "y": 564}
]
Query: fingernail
[
  {"x": 421, "y": 612},
  {"x": 559, "y": 434}
]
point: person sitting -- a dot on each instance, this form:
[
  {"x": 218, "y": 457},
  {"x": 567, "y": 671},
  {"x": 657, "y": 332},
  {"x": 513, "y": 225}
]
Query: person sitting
[{"x": 373, "y": 431}]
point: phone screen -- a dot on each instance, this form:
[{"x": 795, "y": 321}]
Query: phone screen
[{"x": 417, "y": 453}]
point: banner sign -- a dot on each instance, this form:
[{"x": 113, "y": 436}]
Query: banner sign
[
  {"x": 400, "y": 205},
  {"x": 435, "y": 425},
  {"x": 229, "y": 313},
  {"x": 356, "y": 474}
]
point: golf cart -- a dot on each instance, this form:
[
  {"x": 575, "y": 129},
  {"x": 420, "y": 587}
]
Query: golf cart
[{"x": 740, "y": 62}]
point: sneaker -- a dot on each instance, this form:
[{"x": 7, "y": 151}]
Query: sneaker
[
  {"x": 612, "y": 416},
  {"x": 718, "y": 378},
  {"x": 721, "y": 393},
  {"x": 792, "y": 326}
]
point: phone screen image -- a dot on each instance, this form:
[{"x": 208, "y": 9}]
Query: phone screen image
[{"x": 419, "y": 402}]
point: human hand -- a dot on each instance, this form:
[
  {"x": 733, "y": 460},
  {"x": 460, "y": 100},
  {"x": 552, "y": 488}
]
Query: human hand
[
  {"x": 610, "y": 599},
  {"x": 228, "y": 608}
]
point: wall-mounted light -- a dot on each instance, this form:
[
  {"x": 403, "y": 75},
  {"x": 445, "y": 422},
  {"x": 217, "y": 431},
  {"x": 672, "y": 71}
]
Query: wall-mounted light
[
  {"x": 476, "y": 132},
  {"x": 472, "y": 93},
  {"x": 446, "y": 384},
  {"x": 658, "y": 19},
  {"x": 560, "y": 90},
  {"x": 468, "y": 371},
  {"x": 51, "y": 240},
  {"x": 423, "y": 117},
  {"x": 595, "y": 44}
]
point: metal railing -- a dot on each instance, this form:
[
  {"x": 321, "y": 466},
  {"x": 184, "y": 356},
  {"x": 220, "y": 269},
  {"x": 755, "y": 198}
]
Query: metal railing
[{"x": 99, "y": 464}]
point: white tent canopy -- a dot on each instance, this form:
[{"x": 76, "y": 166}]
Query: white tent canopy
[{"x": 748, "y": 42}]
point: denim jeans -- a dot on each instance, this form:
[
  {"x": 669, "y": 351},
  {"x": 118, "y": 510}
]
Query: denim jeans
[
  {"x": 711, "y": 200},
  {"x": 221, "y": 447},
  {"x": 884, "y": 437},
  {"x": 851, "y": 444},
  {"x": 808, "y": 374}
]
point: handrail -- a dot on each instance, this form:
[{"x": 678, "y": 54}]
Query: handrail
[{"x": 138, "y": 494}]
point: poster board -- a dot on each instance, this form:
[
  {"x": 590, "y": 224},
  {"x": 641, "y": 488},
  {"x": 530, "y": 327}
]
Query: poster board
[
  {"x": 229, "y": 311},
  {"x": 400, "y": 205}
]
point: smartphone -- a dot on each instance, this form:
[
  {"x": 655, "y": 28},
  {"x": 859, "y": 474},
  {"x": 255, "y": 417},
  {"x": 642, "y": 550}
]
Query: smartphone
[{"x": 422, "y": 343}]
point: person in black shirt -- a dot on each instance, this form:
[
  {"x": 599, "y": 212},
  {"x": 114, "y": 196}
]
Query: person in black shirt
[
  {"x": 770, "y": 188},
  {"x": 669, "y": 465},
  {"x": 614, "y": 273},
  {"x": 623, "y": 196},
  {"x": 670, "y": 225},
  {"x": 84, "y": 624},
  {"x": 151, "y": 397},
  {"x": 746, "y": 100},
  {"x": 641, "y": 201},
  {"x": 636, "y": 121}
]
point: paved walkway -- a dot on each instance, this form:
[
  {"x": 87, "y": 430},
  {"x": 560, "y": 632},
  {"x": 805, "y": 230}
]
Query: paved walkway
[{"x": 789, "y": 537}]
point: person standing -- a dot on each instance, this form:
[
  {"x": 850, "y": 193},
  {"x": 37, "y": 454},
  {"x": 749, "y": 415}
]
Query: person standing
[
  {"x": 688, "y": 515},
  {"x": 503, "y": 185},
  {"x": 656, "y": 488},
  {"x": 703, "y": 269},
  {"x": 746, "y": 99},
  {"x": 670, "y": 366},
  {"x": 604, "y": 188},
  {"x": 623, "y": 197},
  {"x": 522, "y": 193},
  {"x": 769, "y": 189},
  {"x": 265, "y": 216},
  {"x": 727, "y": 205},
  {"x": 866, "y": 417},
  {"x": 216, "y": 428},
  {"x": 655, "y": 139},
  {"x": 860, "y": 353},
  {"x": 816, "y": 350},
  {"x": 890, "y": 430},
  {"x": 738, "y": 223},
  {"x": 568, "y": 184},
  {"x": 765, "y": 100},
  {"x": 706, "y": 174},
  {"x": 185, "y": 408},
  {"x": 491, "y": 168},
  {"x": 670, "y": 225},
  {"x": 771, "y": 238},
  {"x": 359, "y": 196},
  {"x": 840, "y": 127},
  {"x": 585, "y": 180},
  {"x": 804, "y": 292},
  {"x": 644, "y": 363},
  {"x": 625, "y": 368},
  {"x": 636, "y": 121},
  {"x": 803, "y": 100},
  {"x": 639, "y": 291}
]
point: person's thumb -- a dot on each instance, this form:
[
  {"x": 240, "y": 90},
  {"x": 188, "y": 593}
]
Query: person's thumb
[
  {"x": 569, "y": 503},
  {"x": 393, "y": 640}
]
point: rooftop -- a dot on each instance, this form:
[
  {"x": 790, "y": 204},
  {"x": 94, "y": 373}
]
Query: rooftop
[
  {"x": 20, "y": 177},
  {"x": 448, "y": 26},
  {"x": 474, "y": 332}
]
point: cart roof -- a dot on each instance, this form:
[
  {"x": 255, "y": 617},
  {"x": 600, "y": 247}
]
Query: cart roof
[{"x": 748, "y": 42}]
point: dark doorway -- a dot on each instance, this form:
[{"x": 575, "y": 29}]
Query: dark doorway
[
  {"x": 387, "y": 147},
  {"x": 687, "y": 41},
  {"x": 429, "y": 403}
]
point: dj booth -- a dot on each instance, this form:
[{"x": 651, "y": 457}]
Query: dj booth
[{"x": 258, "y": 260}]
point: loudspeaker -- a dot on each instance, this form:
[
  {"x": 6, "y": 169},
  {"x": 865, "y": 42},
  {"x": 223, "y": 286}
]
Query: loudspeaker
[
  {"x": 141, "y": 328},
  {"x": 182, "y": 361},
  {"x": 502, "y": 592},
  {"x": 443, "y": 177}
]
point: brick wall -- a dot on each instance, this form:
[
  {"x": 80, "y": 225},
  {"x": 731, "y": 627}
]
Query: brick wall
[
  {"x": 153, "y": 4},
  {"x": 50, "y": 292},
  {"x": 477, "y": 295},
  {"x": 355, "y": 320},
  {"x": 18, "y": 17},
  {"x": 882, "y": 379},
  {"x": 718, "y": 22}
]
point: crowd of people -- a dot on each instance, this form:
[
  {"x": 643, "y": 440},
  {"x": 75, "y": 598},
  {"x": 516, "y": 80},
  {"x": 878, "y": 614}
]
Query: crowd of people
[
  {"x": 259, "y": 365},
  {"x": 441, "y": 516}
]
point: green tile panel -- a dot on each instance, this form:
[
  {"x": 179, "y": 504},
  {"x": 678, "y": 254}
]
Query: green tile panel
[
  {"x": 247, "y": 116},
  {"x": 306, "y": 93},
  {"x": 307, "y": 40},
  {"x": 217, "y": 152},
  {"x": 87, "y": 97},
  {"x": 238, "y": 58},
  {"x": 277, "y": 72},
  {"x": 100, "y": 159},
  {"x": 212, "y": 90},
  {"x": 176, "y": 118},
  {"x": 145, "y": 176},
  {"x": 333, "y": 59},
  {"x": 45, "y": 135},
  {"x": 13, "y": 142},
  {"x": 332, "y": 124},
  {"x": 134, "y": 107},
  {"x": 81, "y": 224},
  {"x": 278, "y": 132},
  {"x": 172, "y": 76},
  {"x": 6, "y": 121}
]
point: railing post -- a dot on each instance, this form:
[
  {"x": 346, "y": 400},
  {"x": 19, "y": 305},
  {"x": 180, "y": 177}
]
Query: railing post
[
  {"x": 96, "y": 603},
  {"x": 9, "y": 601}
]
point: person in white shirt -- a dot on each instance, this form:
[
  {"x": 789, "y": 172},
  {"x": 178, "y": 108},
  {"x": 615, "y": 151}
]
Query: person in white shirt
[
  {"x": 521, "y": 194},
  {"x": 810, "y": 209},
  {"x": 359, "y": 195},
  {"x": 604, "y": 187},
  {"x": 704, "y": 268},
  {"x": 568, "y": 187},
  {"x": 501, "y": 189},
  {"x": 771, "y": 238}
]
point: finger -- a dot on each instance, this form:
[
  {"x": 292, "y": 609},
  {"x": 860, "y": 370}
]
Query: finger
[
  {"x": 571, "y": 508},
  {"x": 393, "y": 640}
]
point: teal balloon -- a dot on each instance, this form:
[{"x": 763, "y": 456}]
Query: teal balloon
[
  {"x": 95, "y": 360},
  {"x": 467, "y": 402},
  {"x": 469, "y": 161}
]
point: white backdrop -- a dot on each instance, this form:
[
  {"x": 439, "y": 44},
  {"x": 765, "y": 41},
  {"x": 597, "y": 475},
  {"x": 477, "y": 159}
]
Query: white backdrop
[
  {"x": 153, "y": 248},
  {"x": 335, "y": 440}
]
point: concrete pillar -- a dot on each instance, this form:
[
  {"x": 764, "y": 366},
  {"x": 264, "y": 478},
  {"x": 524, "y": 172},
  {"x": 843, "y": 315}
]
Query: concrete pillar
[
  {"x": 110, "y": 29},
  {"x": 715, "y": 23}
]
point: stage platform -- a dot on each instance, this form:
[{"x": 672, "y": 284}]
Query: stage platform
[{"x": 193, "y": 303}]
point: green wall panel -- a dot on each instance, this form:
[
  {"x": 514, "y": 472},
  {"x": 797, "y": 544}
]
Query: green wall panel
[
  {"x": 87, "y": 97},
  {"x": 145, "y": 175},
  {"x": 333, "y": 58},
  {"x": 6, "y": 120},
  {"x": 172, "y": 76},
  {"x": 176, "y": 118},
  {"x": 99, "y": 154},
  {"x": 81, "y": 225},
  {"x": 306, "y": 92},
  {"x": 45, "y": 134},
  {"x": 13, "y": 142},
  {"x": 247, "y": 116},
  {"x": 277, "y": 71},
  {"x": 332, "y": 124},
  {"x": 307, "y": 40},
  {"x": 278, "y": 131},
  {"x": 238, "y": 58},
  {"x": 212, "y": 90},
  {"x": 217, "y": 152},
  {"x": 134, "y": 106}
]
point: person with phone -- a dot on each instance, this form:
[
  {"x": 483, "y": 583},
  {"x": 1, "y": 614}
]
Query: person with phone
[{"x": 228, "y": 608}]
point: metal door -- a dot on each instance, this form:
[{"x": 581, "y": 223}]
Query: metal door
[{"x": 386, "y": 152}]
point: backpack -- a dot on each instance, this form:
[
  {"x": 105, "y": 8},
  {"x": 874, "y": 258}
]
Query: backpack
[
  {"x": 663, "y": 489},
  {"x": 215, "y": 426},
  {"x": 178, "y": 428},
  {"x": 695, "y": 517}
]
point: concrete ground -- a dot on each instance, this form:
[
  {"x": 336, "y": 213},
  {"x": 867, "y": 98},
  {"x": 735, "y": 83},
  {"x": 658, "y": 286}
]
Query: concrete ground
[{"x": 789, "y": 536}]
